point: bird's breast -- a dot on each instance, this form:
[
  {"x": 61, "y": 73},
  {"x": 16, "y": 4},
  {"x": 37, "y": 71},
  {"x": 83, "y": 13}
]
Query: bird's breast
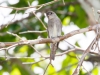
[{"x": 54, "y": 30}]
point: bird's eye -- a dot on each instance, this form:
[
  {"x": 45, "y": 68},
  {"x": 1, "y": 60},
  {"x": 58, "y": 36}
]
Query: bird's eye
[{"x": 50, "y": 13}]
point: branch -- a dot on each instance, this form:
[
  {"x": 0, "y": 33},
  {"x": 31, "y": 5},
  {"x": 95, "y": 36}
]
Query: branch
[
  {"x": 38, "y": 6},
  {"x": 39, "y": 9},
  {"x": 24, "y": 8},
  {"x": 39, "y": 32},
  {"x": 76, "y": 72},
  {"x": 60, "y": 54},
  {"x": 48, "y": 40}
]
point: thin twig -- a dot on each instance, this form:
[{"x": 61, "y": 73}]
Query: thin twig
[
  {"x": 48, "y": 40},
  {"x": 14, "y": 35},
  {"x": 38, "y": 17},
  {"x": 46, "y": 68},
  {"x": 70, "y": 44},
  {"x": 39, "y": 32},
  {"x": 40, "y": 20},
  {"x": 37, "y": 51},
  {"x": 76, "y": 72},
  {"x": 46, "y": 57},
  {"x": 33, "y": 62},
  {"x": 24, "y": 8},
  {"x": 12, "y": 18},
  {"x": 83, "y": 66}
]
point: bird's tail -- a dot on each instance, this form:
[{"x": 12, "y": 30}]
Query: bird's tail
[{"x": 54, "y": 47}]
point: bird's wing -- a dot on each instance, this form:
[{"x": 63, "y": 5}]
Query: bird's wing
[
  {"x": 52, "y": 29},
  {"x": 59, "y": 27}
]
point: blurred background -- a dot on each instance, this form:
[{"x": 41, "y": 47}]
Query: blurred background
[{"x": 74, "y": 14}]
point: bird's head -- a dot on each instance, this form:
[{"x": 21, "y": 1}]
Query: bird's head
[{"x": 51, "y": 14}]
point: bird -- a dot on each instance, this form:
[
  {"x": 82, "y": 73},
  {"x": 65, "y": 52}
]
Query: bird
[{"x": 54, "y": 29}]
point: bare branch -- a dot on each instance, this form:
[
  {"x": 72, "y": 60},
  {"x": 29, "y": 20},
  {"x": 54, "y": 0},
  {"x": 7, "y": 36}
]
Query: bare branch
[
  {"x": 40, "y": 20},
  {"x": 48, "y": 40},
  {"x": 12, "y": 18},
  {"x": 36, "y": 51},
  {"x": 33, "y": 62},
  {"x": 76, "y": 72},
  {"x": 33, "y": 32},
  {"x": 24, "y": 8},
  {"x": 83, "y": 66},
  {"x": 60, "y": 54},
  {"x": 14, "y": 35}
]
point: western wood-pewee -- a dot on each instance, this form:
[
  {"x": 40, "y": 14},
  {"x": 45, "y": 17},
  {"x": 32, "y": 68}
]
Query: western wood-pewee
[{"x": 54, "y": 30}]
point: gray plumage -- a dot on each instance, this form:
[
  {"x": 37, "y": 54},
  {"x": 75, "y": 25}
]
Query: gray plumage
[{"x": 54, "y": 30}]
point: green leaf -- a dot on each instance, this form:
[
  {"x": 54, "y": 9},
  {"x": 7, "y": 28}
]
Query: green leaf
[
  {"x": 15, "y": 71},
  {"x": 77, "y": 44},
  {"x": 71, "y": 8},
  {"x": 66, "y": 21},
  {"x": 51, "y": 70},
  {"x": 95, "y": 71}
]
